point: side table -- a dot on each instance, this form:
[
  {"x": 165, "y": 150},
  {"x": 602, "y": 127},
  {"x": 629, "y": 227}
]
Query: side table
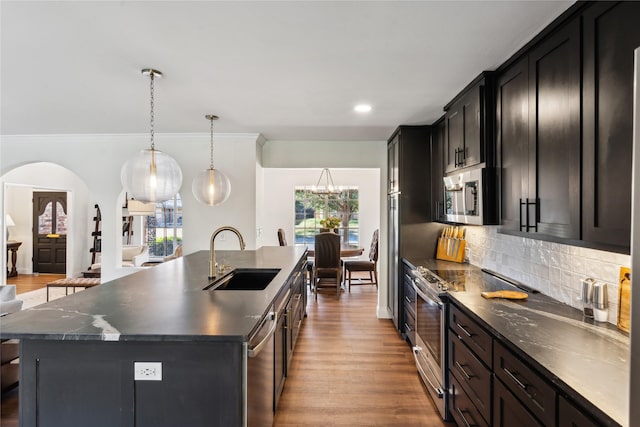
[{"x": 12, "y": 248}]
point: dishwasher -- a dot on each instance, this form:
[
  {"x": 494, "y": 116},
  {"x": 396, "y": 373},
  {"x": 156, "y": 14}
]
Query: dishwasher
[{"x": 258, "y": 373}]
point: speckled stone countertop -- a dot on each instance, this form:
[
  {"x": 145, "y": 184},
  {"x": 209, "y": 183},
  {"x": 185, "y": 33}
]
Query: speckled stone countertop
[
  {"x": 161, "y": 303},
  {"x": 587, "y": 360}
]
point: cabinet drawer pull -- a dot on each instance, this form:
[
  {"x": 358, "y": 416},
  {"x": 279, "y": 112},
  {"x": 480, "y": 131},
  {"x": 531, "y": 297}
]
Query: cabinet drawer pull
[
  {"x": 469, "y": 334},
  {"x": 512, "y": 375},
  {"x": 464, "y": 371},
  {"x": 408, "y": 327},
  {"x": 464, "y": 419},
  {"x": 407, "y": 299}
]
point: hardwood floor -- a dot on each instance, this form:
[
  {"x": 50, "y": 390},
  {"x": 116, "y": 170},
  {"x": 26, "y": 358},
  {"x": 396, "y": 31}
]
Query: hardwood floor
[
  {"x": 351, "y": 368},
  {"x": 31, "y": 282},
  {"x": 348, "y": 368}
]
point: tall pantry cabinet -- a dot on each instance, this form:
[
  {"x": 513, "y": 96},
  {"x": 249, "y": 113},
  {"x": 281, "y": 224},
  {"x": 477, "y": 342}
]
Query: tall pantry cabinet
[{"x": 408, "y": 202}]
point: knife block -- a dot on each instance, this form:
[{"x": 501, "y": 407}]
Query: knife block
[{"x": 450, "y": 249}]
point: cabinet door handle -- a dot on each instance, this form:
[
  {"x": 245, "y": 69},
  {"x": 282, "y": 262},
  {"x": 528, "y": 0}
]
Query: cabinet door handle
[
  {"x": 407, "y": 299},
  {"x": 464, "y": 419},
  {"x": 464, "y": 371},
  {"x": 469, "y": 334},
  {"x": 408, "y": 327},
  {"x": 512, "y": 375},
  {"x": 520, "y": 214}
]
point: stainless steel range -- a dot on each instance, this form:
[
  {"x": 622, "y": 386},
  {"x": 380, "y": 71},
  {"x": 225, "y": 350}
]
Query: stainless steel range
[{"x": 430, "y": 345}]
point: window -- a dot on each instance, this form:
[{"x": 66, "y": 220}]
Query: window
[
  {"x": 311, "y": 207},
  {"x": 163, "y": 230}
]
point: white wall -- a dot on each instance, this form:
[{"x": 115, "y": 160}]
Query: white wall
[
  {"x": 19, "y": 185},
  {"x": 97, "y": 160}
]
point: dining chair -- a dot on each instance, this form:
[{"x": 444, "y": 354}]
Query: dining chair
[
  {"x": 370, "y": 265},
  {"x": 282, "y": 239},
  {"x": 327, "y": 269}
]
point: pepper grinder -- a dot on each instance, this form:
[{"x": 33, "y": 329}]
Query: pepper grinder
[
  {"x": 587, "y": 297},
  {"x": 600, "y": 302}
]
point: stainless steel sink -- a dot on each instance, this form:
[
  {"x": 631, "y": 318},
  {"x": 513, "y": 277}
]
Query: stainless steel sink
[{"x": 244, "y": 279}]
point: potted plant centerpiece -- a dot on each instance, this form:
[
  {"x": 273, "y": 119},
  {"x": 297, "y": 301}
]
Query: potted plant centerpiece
[{"x": 330, "y": 223}]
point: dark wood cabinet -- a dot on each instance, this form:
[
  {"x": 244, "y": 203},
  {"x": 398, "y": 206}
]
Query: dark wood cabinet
[
  {"x": 529, "y": 387},
  {"x": 554, "y": 133},
  {"x": 474, "y": 377},
  {"x": 469, "y": 369},
  {"x": 462, "y": 410},
  {"x": 512, "y": 134},
  {"x": 539, "y": 133},
  {"x": 571, "y": 416},
  {"x": 509, "y": 411},
  {"x": 409, "y": 305},
  {"x": 490, "y": 383},
  {"x": 437, "y": 170},
  {"x": 468, "y": 124},
  {"x": 611, "y": 34},
  {"x": 409, "y": 204}
]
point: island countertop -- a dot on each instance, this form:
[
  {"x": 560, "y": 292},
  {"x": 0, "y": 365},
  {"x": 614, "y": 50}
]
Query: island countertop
[
  {"x": 162, "y": 303},
  {"x": 587, "y": 360}
]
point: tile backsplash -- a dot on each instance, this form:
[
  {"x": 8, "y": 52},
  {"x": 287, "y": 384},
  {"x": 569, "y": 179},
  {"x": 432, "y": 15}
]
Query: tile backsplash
[{"x": 553, "y": 269}]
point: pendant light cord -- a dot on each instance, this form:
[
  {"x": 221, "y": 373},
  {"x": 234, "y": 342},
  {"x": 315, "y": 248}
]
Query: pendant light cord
[
  {"x": 211, "y": 166},
  {"x": 151, "y": 75}
]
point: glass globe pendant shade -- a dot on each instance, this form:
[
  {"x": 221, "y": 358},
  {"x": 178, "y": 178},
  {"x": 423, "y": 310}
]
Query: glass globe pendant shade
[
  {"x": 151, "y": 176},
  {"x": 211, "y": 187}
]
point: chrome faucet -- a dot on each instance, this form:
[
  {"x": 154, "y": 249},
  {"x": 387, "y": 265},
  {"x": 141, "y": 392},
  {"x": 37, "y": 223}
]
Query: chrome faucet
[{"x": 213, "y": 266}]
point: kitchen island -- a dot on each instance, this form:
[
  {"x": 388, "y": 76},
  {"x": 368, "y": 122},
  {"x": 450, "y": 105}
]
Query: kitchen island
[
  {"x": 78, "y": 353},
  {"x": 584, "y": 364}
]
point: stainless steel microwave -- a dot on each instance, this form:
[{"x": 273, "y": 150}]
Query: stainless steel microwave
[{"x": 470, "y": 197}]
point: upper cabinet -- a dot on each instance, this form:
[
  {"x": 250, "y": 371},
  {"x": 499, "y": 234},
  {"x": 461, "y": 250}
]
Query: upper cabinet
[
  {"x": 538, "y": 130},
  {"x": 611, "y": 33},
  {"x": 468, "y": 124},
  {"x": 564, "y": 118},
  {"x": 409, "y": 172},
  {"x": 552, "y": 202},
  {"x": 437, "y": 170}
]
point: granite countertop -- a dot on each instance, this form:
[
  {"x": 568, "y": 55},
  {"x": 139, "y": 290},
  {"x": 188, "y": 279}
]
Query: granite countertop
[
  {"x": 162, "y": 303},
  {"x": 587, "y": 360}
]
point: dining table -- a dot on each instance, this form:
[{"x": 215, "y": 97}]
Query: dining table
[{"x": 346, "y": 251}]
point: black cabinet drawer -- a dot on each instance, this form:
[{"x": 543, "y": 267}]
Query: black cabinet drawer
[
  {"x": 509, "y": 411},
  {"x": 409, "y": 297},
  {"x": 463, "y": 411},
  {"x": 476, "y": 338},
  {"x": 474, "y": 377},
  {"x": 535, "y": 393},
  {"x": 409, "y": 327},
  {"x": 570, "y": 416}
]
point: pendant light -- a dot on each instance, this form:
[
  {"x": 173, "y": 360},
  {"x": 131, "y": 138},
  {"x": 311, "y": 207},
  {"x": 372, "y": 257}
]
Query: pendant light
[
  {"x": 151, "y": 176},
  {"x": 211, "y": 186}
]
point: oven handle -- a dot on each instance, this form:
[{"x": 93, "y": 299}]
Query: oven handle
[
  {"x": 438, "y": 390},
  {"x": 424, "y": 296}
]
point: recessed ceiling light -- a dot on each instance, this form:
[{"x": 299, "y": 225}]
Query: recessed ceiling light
[{"x": 362, "y": 108}]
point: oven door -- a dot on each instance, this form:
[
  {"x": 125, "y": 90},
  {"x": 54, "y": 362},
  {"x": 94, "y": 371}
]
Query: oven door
[{"x": 428, "y": 350}]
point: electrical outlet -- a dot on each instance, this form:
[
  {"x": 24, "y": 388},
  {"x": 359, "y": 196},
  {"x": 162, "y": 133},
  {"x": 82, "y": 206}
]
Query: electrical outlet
[{"x": 147, "y": 371}]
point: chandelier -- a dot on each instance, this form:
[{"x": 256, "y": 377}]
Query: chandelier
[{"x": 325, "y": 184}]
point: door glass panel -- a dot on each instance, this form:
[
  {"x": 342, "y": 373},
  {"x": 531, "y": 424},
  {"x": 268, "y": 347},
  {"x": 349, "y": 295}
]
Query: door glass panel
[
  {"x": 45, "y": 224},
  {"x": 61, "y": 220}
]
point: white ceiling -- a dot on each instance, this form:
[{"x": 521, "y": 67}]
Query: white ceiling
[{"x": 290, "y": 70}]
